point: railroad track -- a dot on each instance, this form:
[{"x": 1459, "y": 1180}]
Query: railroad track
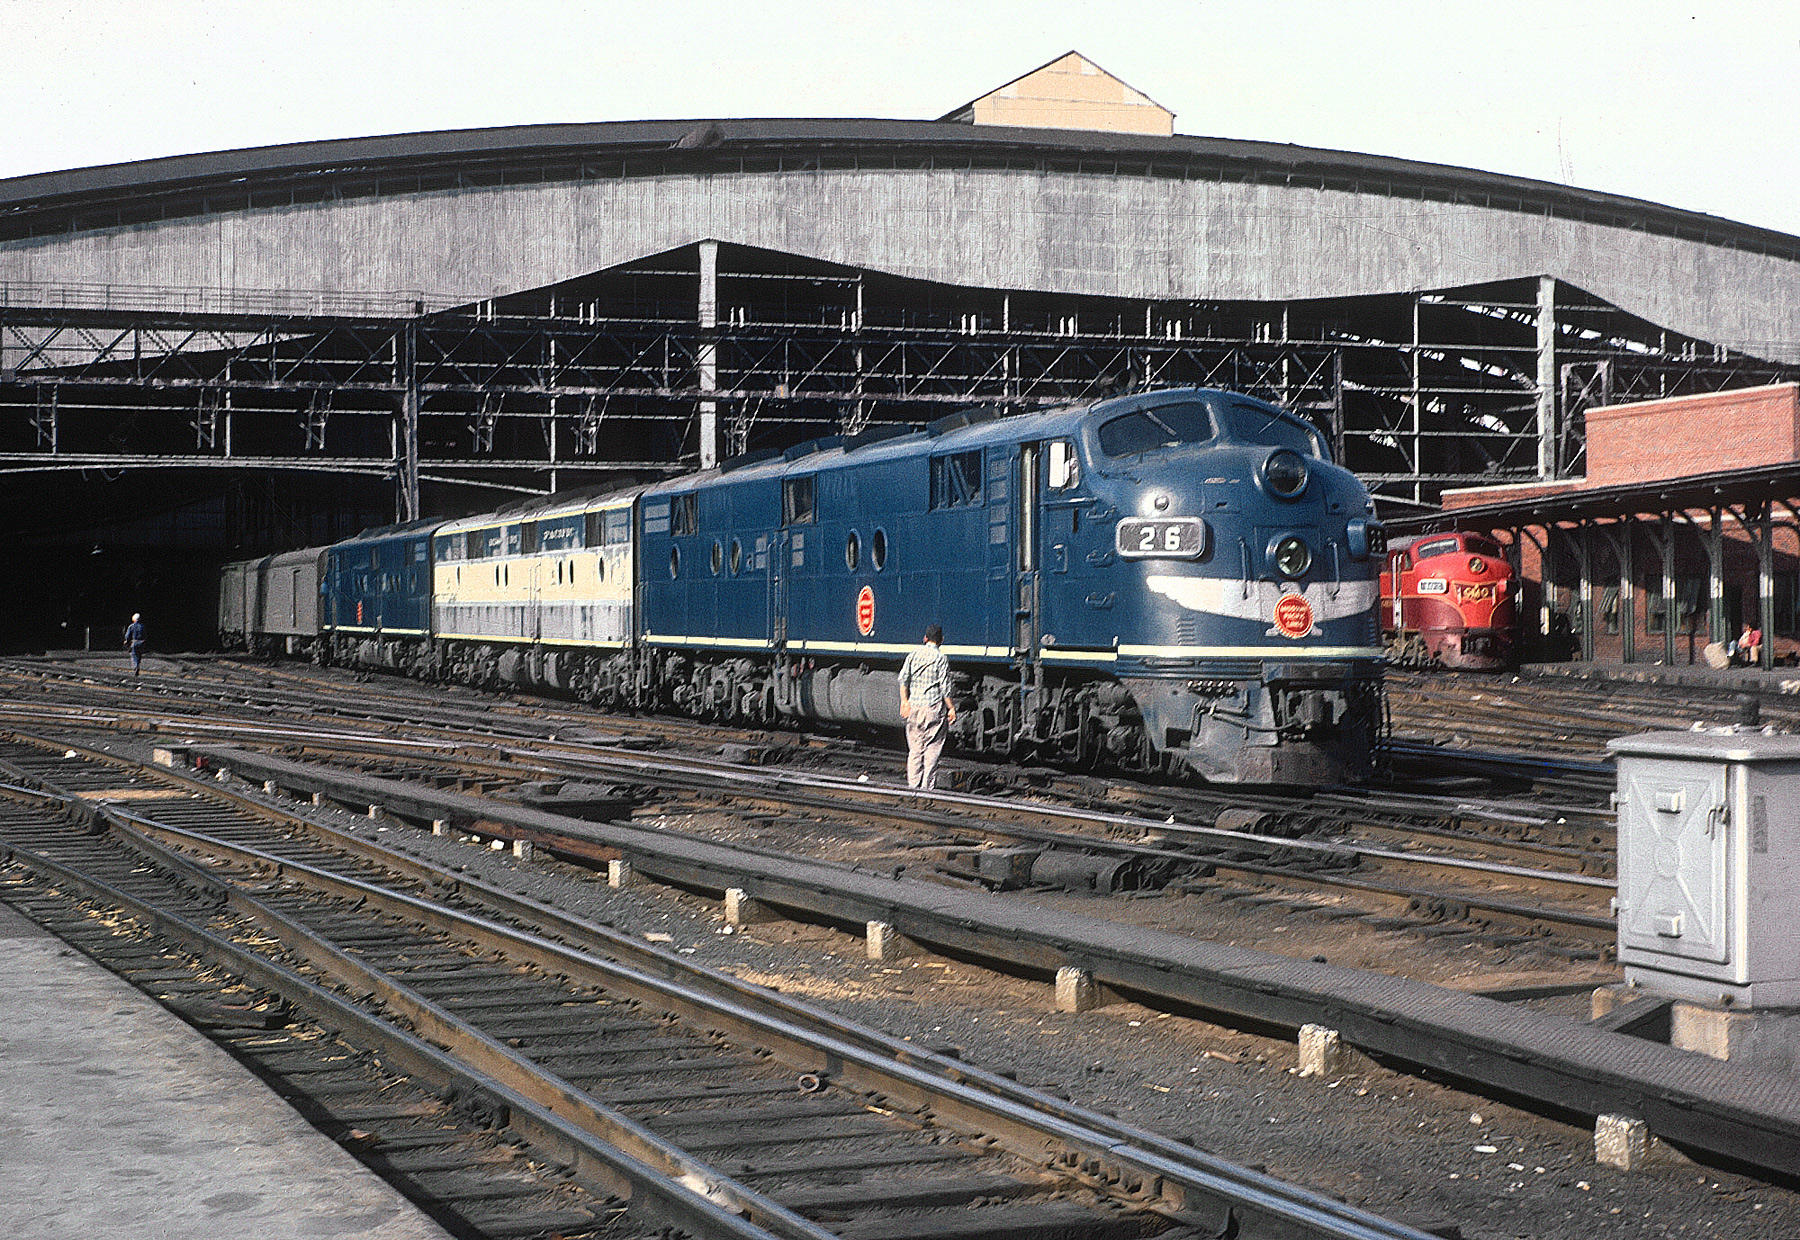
[
  {"x": 1406, "y": 868},
  {"x": 1564, "y": 718},
  {"x": 706, "y": 1104}
]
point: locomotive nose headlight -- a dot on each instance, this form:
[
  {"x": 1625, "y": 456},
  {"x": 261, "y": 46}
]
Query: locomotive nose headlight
[
  {"x": 1291, "y": 555},
  {"x": 1284, "y": 473}
]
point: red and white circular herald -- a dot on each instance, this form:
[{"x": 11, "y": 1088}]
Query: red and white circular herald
[
  {"x": 1293, "y": 615},
  {"x": 865, "y": 611}
]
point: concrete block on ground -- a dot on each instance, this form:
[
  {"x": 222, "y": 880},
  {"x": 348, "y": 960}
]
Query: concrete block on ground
[
  {"x": 743, "y": 909},
  {"x": 1605, "y": 998},
  {"x": 1760, "y": 1039},
  {"x": 521, "y": 849},
  {"x": 1076, "y": 990},
  {"x": 886, "y": 943},
  {"x": 1621, "y": 1141},
  {"x": 440, "y": 826},
  {"x": 168, "y": 757},
  {"x": 270, "y": 787},
  {"x": 619, "y": 874},
  {"x": 1322, "y": 1051},
  {"x": 318, "y": 798}
]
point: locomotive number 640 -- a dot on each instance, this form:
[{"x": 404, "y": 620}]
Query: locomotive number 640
[{"x": 1179, "y": 538}]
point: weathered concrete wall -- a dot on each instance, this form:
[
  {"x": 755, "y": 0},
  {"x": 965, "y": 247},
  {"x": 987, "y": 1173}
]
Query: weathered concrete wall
[{"x": 1134, "y": 237}]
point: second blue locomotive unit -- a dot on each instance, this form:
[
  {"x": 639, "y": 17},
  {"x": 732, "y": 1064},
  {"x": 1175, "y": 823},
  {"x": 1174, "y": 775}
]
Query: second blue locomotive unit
[{"x": 1177, "y": 581}]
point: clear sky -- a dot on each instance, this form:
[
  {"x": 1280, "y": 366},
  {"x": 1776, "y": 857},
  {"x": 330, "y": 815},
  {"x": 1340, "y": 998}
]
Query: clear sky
[{"x": 1696, "y": 105}]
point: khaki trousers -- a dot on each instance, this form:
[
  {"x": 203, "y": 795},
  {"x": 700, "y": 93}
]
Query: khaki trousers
[{"x": 926, "y": 732}]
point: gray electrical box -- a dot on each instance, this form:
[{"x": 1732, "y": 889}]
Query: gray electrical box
[{"x": 1709, "y": 865}]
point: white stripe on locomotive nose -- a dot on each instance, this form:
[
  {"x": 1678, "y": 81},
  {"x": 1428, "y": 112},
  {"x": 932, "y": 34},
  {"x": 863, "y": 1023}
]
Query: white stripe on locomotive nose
[{"x": 1224, "y": 596}]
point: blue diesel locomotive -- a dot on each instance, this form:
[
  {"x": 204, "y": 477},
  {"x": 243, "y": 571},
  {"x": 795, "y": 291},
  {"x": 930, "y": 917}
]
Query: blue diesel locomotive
[{"x": 1176, "y": 581}]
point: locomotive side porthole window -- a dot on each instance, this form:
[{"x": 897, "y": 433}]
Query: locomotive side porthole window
[
  {"x": 674, "y": 561},
  {"x": 956, "y": 480},
  {"x": 797, "y": 501},
  {"x": 878, "y": 550},
  {"x": 737, "y": 557},
  {"x": 1065, "y": 467},
  {"x": 852, "y": 551},
  {"x": 718, "y": 557}
]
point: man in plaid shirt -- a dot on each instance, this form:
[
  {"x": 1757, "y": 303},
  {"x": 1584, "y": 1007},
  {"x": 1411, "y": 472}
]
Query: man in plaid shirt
[{"x": 925, "y": 705}]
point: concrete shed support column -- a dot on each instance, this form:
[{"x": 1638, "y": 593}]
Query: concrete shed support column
[
  {"x": 406, "y": 433},
  {"x": 707, "y": 362},
  {"x": 1765, "y": 583},
  {"x": 1665, "y": 530},
  {"x": 1715, "y": 577},
  {"x": 1584, "y": 556},
  {"x": 1548, "y": 464},
  {"x": 1627, "y": 591}
]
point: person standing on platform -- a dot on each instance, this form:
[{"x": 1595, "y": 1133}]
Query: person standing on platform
[
  {"x": 134, "y": 642},
  {"x": 925, "y": 705}
]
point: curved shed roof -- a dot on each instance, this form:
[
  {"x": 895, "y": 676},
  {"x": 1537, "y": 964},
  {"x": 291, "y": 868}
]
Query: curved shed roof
[
  {"x": 68, "y": 200},
  {"x": 490, "y": 211}
]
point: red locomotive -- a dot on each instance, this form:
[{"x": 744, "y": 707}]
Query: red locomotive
[{"x": 1449, "y": 600}]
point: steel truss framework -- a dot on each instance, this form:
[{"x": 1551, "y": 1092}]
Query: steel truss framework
[{"x": 715, "y": 349}]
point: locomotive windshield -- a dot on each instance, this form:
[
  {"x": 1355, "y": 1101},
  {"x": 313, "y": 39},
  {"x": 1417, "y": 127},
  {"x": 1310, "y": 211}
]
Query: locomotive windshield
[
  {"x": 1267, "y": 424},
  {"x": 1165, "y": 426}
]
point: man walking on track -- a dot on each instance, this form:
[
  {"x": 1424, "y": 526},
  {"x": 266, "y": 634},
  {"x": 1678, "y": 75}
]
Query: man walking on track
[
  {"x": 925, "y": 705},
  {"x": 134, "y": 642}
]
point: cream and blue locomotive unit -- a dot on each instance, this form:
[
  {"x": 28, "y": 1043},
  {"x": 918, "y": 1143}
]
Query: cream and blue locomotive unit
[{"x": 1177, "y": 581}]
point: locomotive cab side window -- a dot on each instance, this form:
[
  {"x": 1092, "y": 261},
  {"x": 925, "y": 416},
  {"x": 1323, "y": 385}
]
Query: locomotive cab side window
[
  {"x": 797, "y": 501},
  {"x": 684, "y": 514},
  {"x": 956, "y": 480},
  {"x": 1064, "y": 466}
]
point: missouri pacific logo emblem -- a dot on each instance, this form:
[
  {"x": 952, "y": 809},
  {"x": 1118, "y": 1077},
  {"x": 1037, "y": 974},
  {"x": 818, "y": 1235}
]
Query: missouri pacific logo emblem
[{"x": 1293, "y": 615}]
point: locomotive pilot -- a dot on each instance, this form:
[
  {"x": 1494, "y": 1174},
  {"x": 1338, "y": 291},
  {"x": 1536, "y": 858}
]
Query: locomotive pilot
[{"x": 925, "y": 705}]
